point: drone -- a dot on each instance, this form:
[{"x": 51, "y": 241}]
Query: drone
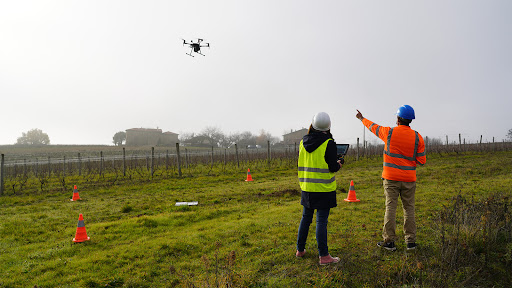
[{"x": 195, "y": 47}]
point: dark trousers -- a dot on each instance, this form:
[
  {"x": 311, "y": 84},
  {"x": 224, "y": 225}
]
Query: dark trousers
[{"x": 322, "y": 216}]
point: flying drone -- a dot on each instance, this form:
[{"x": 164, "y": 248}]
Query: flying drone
[{"x": 195, "y": 47}]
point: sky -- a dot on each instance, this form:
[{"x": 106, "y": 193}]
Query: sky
[{"x": 83, "y": 70}]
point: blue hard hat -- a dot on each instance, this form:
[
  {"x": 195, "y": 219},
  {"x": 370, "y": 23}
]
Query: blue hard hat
[{"x": 406, "y": 112}]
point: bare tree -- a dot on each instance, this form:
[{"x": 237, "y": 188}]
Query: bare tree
[
  {"x": 266, "y": 137},
  {"x": 509, "y": 135},
  {"x": 213, "y": 134},
  {"x": 186, "y": 136},
  {"x": 247, "y": 138}
]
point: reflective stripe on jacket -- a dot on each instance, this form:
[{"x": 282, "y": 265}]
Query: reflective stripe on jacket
[
  {"x": 314, "y": 174},
  {"x": 403, "y": 149}
]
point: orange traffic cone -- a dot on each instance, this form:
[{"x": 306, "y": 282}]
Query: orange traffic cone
[
  {"x": 352, "y": 193},
  {"x": 249, "y": 177},
  {"x": 76, "y": 196},
  {"x": 81, "y": 234}
]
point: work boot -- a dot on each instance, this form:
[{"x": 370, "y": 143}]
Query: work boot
[
  {"x": 411, "y": 246},
  {"x": 390, "y": 246},
  {"x": 299, "y": 254},
  {"x": 325, "y": 260}
]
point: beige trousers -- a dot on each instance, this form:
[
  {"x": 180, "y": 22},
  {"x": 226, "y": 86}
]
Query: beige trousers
[{"x": 406, "y": 191}]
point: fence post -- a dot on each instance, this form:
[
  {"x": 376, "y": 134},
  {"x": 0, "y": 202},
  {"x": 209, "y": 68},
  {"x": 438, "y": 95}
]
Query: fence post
[
  {"x": 179, "y": 160},
  {"x": 79, "y": 165},
  {"x": 212, "y": 159},
  {"x": 124, "y": 161},
  {"x": 236, "y": 151},
  {"x": 152, "y": 160},
  {"x": 460, "y": 144},
  {"x": 101, "y": 162},
  {"x": 186, "y": 158},
  {"x": 167, "y": 160},
  {"x": 2, "y": 175},
  {"x": 268, "y": 153},
  {"x": 357, "y": 159}
]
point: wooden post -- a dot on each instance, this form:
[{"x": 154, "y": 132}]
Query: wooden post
[
  {"x": 268, "y": 153},
  {"x": 152, "y": 160},
  {"x": 101, "y": 162},
  {"x": 236, "y": 151},
  {"x": 79, "y": 165},
  {"x": 212, "y": 159},
  {"x": 124, "y": 161},
  {"x": 186, "y": 158},
  {"x": 2, "y": 175},
  {"x": 178, "y": 156},
  {"x": 460, "y": 143},
  {"x": 225, "y": 155},
  {"x": 167, "y": 160},
  {"x": 357, "y": 159}
]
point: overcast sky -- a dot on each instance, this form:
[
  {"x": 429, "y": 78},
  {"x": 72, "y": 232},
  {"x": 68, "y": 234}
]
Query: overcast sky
[{"x": 83, "y": 70}]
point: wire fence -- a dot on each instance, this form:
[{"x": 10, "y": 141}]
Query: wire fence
[{"x": 57, "y": 171}]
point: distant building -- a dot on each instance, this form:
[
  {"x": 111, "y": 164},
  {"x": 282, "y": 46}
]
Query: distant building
[
  {"x": 199, "y": 141},
  {"x": 150, "y": 137},
  {"x": 294, "y": 137}
]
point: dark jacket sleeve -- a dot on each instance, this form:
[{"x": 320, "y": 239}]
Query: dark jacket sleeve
[{"x": 331, "y": 158}]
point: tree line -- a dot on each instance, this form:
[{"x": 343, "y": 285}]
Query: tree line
[{"x": 208, "y": 137}]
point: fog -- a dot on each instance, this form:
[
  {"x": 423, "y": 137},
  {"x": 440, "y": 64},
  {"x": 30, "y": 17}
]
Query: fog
[{"x": 83, "y": 70}]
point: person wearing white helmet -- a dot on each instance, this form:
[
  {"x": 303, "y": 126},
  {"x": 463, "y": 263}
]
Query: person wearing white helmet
[{"x": 317, "y": 164}]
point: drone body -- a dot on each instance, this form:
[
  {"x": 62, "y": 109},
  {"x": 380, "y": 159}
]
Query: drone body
[{"x": 195, "y": 47}]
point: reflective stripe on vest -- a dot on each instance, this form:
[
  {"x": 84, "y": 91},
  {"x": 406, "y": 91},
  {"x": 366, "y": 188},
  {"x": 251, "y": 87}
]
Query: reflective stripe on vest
[
  {"x": 395, "y": 155},
  {"x": 313, "y": 171}
]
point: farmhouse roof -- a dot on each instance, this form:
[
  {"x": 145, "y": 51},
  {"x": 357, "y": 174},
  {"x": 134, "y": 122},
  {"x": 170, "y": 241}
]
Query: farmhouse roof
[
  {"x": 145, "y": 129},
  {"x": 303, "y": 130}
]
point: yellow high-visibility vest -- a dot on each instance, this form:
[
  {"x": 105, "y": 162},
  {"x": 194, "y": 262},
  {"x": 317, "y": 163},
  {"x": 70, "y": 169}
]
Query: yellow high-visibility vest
[{"x": 314, "y": 174}]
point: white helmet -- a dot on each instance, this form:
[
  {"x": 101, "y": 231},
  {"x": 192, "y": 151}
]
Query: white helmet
[{"x": 321, "y": 121}]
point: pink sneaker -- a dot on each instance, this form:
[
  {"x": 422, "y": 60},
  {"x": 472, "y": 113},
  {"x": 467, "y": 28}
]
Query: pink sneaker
[
  {"x": 300, "y": 254},
  {"x": 325, "y": 260}
]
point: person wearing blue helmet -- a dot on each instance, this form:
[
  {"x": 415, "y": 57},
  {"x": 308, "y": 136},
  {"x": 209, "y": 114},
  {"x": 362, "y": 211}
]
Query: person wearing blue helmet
[{"x": 403, "y": 150}]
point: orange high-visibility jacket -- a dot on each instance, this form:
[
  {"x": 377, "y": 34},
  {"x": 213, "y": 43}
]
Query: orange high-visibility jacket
[{"x": 403, "y": 149}]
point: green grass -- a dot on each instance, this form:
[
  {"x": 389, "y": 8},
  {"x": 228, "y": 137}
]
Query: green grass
[{"x": 242, "y": 234}]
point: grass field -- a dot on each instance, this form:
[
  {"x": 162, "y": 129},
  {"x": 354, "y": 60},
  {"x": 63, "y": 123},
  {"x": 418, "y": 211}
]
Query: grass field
[{"x": 242, "y": 234}]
